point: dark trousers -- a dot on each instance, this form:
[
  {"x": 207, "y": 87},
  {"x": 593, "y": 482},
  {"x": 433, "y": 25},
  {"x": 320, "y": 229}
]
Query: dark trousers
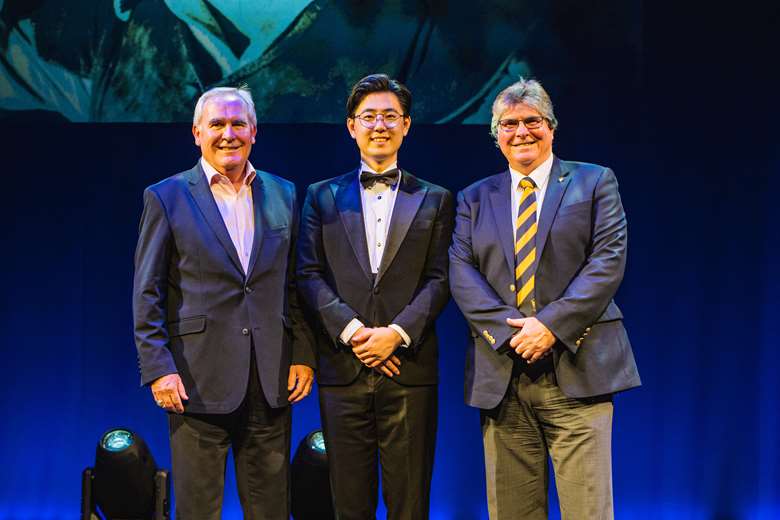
[
  {"x": 260, "y": 438},
  {"x": 536, "y": 420},
  {"x": 375, "y": 416}
]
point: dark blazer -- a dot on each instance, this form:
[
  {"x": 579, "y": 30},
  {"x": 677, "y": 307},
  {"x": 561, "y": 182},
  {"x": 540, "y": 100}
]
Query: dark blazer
[
  {"x": 581, "y": 246},
  {"x": 335, "y": 280},
  {"x": 194, "y": 309}
]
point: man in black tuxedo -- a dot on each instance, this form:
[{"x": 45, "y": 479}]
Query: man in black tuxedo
[
  {"x": 372, "y": 266},
  {"x": 221, "y": 342}
]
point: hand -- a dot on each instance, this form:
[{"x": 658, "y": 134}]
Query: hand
[
  {"x": 168, "y": 392},
  {"x": 378, "y": 347},
  {"x": 533, "y": 341},
  {"x": 299, "y": 382},
  {"x": 389, "y": 367},
  {"x": 360, "y": 336}
]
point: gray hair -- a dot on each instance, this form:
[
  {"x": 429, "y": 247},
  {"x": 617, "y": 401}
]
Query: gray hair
[
  {"x": 242, "y": 92},
  {"x": 528, "y": 92}
]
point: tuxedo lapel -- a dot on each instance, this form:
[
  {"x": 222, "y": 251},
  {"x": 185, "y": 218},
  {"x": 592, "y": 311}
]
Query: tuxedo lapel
[
  {"x": 346, "y": 192},
  {"x": 556, "y": 187},
  {"x": 501, "y": 202},
  {"x": 407, "y": 201},
  {"x": 258, "y": 203},
  {"x": 201, "y": 192}
]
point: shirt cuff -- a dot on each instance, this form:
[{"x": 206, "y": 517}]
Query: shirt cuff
[
  {"x": 404, "y": 336},
  {"x": 350, "y": 330}
]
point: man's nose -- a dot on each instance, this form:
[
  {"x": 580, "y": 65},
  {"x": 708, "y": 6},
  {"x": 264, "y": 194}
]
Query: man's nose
[
  {"x": 228, "y": 132},
  {"x": 521, "y": 131}
]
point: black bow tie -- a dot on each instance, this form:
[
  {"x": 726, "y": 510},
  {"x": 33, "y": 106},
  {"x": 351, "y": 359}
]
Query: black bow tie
[{"x": 389, "y": 178}]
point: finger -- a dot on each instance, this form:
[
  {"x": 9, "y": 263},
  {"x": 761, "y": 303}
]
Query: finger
[
  {"x": 292, "y": 377},
  {"x": 386, "y": 371},
  {"x": 176, "y": 403},
  {"x": 396, "y": 361},
  {"x": 389, "y": 364},
  {"x": 297, "y": 395},
  {"x": 516, "y": 322},
  {"x": 182, "y": 391}
]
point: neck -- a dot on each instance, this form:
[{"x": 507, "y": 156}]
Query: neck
[{"x": 381, "y": 164}]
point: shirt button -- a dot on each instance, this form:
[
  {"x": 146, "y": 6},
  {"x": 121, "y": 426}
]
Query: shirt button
[
  {"x": 379, "y": 244},
  {"x": 379, "y": 220},
  {"x": 245, "y": 332},
  {"x": 379, "y": 197}
]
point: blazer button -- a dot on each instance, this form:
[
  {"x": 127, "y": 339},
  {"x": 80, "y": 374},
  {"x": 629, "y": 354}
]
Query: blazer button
[
  {"x": 245, "y": 332},
  {"x": 512, "y": 287},
  {"x": 247, "y": 290},
  {"x": 376, "y": 290},
  {"x": 578, "y": 342}
]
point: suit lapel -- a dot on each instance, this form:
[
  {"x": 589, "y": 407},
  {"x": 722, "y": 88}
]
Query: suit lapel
[
  {"x": 407, "y": 201},
  {"x": 501, "y": 202},
  {"x": 199, "y": 187},
  {"x": 556, "y": 187},
  {"x": 258, "y": 203},
  {"x": 346, "y": 192}
]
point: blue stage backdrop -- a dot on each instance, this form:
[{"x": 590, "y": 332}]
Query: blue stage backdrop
[{"x": 687, "y": 127}]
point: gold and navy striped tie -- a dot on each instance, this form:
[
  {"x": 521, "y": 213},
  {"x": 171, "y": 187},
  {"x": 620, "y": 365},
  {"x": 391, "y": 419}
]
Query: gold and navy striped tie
[{"x": 525, "y": 246}]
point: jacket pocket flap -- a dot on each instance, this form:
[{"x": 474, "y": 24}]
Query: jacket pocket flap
[
  {"x": 611, "y": 314},
  {"x": 187, "y": 326}
]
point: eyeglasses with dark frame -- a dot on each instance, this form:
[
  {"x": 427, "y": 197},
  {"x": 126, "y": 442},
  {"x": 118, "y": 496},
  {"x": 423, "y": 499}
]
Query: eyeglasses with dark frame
[
  {"x": 371, "y": 119},
  {"x": 531, "y": 123}
]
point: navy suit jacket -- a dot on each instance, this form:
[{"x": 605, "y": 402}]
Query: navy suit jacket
[
  {"x": 410, "y": 289},
  {"x": 196, "y": 312},
  {"x": 581, "y": 250}
]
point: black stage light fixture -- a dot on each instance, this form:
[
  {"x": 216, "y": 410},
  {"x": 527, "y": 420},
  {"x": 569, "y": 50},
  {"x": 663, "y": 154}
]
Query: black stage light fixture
[
  {"x": 310, "y": 482},
  {"x": 125, "y": 482}
]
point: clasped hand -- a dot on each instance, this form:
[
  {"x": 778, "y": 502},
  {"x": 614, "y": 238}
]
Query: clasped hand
[
  {"x": 533, "y": 340},
  {"x": 374, "y": 348}
]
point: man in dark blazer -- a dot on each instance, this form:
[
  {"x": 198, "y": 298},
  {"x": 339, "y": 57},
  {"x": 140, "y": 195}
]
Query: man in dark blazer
[
  {"x": 372, "y": 267},
  {"x": 219, "y": 334},
  {"x": 538, "y": 253}
]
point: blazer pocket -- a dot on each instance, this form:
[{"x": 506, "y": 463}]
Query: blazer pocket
[
  {"x": 577, "y": 207},
  {"x": 187, "y": 326},
  {"x": 276, "y": 231}
]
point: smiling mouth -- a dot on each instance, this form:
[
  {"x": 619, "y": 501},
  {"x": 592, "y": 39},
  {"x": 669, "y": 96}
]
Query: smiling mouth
[
  {"x": 525, "y": 144},
  {"x": 380, "y": 139}
]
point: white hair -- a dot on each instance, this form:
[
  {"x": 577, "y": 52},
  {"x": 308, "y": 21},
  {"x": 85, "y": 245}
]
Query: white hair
[{"x": 241, "y": 92}]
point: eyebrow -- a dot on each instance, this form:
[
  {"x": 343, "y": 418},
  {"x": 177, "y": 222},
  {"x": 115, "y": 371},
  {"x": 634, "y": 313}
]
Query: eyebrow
[{"x": 235, "y": 120}]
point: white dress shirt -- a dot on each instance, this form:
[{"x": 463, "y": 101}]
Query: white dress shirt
[
  {"x": 378, "y": 202},
  {"x": 235, "y": 207},
  {"x": 541, "y": 176}
]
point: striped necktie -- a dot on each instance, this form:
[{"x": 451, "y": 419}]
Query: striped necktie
[{"x": 525, "y": 246}]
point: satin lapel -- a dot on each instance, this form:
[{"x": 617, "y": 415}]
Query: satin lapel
[
  {"x": 199, "y": 187},
  {"x": 407, "y": 201},
  {"x": 556, "y": 187},
  {"x": 258, "y": 203},
  {"x": 346, "y": 192},
  {"x": 501, "y": 202}
]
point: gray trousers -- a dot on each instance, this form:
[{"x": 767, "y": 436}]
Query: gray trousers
[{"x": 535, "y": 418}]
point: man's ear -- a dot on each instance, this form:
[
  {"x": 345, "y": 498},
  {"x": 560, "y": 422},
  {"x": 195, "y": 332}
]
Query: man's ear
[
  {"x": 196, "y": 135},
  {"x": 351, "y": 126}
]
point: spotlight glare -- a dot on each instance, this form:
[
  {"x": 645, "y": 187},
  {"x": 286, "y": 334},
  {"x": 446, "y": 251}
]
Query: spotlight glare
[
  {"x": 317, "y": 441},
  {"x": 117, "y": 440}
]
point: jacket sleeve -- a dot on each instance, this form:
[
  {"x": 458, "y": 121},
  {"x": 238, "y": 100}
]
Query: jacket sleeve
[
  {"x": 303, "y": 339},
  {"x": 596, "y": 283},
  {"x": 150, "y": 287},
  {"x": 432, "y": 295},
  {"x": 482, "y": 307},
  {"x": 317, "y": 293}
]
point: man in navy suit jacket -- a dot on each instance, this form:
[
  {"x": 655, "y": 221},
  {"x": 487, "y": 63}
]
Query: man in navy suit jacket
[
  {"x": 219, "y": 334},
  {"x": 548, "y": 344}
]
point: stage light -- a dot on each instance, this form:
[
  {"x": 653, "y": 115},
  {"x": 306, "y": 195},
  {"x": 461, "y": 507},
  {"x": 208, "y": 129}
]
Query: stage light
[
  {"x": 310, "y": 481},
  {"x": 125, "y": 482}
]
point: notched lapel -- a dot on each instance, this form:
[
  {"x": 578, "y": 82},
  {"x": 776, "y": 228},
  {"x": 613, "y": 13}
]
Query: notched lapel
[
  {"x": 258, "y": 203},
  {"x": 556, "y": 187},
  {"x": 201, "y": 192},
  {"x": 347, "y": 196},
  {"x": 501, "y": 202},
  {"x": 407, "y": 201}
]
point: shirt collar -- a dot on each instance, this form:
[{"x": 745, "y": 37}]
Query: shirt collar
[
  {"x": 540, "y": 174},
  {"x": 211, "y": 172}
]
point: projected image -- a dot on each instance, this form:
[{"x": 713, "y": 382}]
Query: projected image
[{"x": 148, "y": 60}]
